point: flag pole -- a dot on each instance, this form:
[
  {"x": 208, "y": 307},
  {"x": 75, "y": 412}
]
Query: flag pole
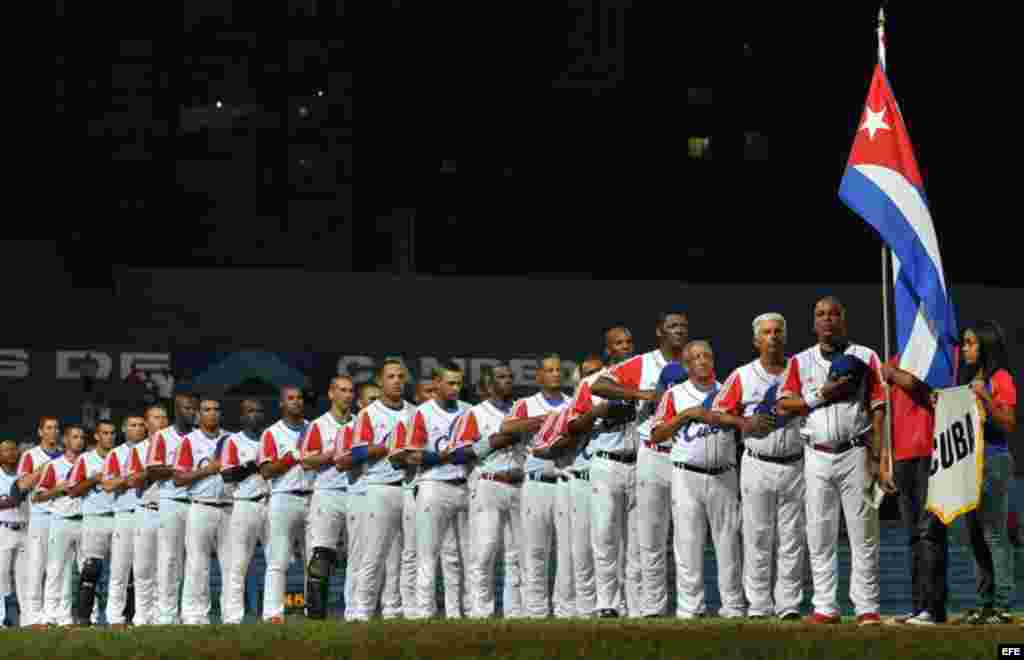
[{"x": 887, "y": 286}]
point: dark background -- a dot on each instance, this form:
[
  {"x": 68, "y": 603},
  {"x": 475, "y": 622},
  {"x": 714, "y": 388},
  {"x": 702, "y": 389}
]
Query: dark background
[{"x": 569, "y": 155}]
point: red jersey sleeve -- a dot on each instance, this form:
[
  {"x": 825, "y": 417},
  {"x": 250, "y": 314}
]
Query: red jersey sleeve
[
  {"x": 134, "y": 462},
  {"x": 49, "y": 479},
  {"x": 418, "y": 432},
  {"x": 875, "y": 389},
  {"x": 185, "y": 461},
  {"x": 666, "y": 410},
  {"x": 583, "y": 403},
  {"x": 398, "y": 436},
  {"x": 26, "y": 465},
  {"x": 730, "y": 397},
  {"x": 521, "y": 410},
  {"x": 363, "y": 435},
  {"x": 229, "y": 455},
  {"x": 628, "y": 373},
  {"x": 546, "y": 435},
  {"x": 111, "y": 466},
  {"x": 1004, "y": 391},
  {"x": 268, "y": 449},
  {"x": 343, "y": 445},
  {"x": 791, "y": 385},
  {"x": 157, "y": 454},
  {"x": 79, "y": 473},
  {"x": 314, "y": 442}
]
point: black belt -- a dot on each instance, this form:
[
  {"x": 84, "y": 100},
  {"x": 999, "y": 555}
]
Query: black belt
[
  {"x": 563, "y": 477},
  {"x": 108, "y": 514},
  {"x": 452, "y": 482},
  {"x": 701, "y": 470},
  {"x": 182, "y": 500},
  {"x": 14, "y": 526},
  {"x": 782, "y": 460},
  {"x": 258, "y": 498},
  {"x": 581, "y": 474},
  {"x": 78, "y": 517},
  {"x": 150, "y": 506},
  {"x": 628, "y": 459},
  {"x": 219, "y": 505},
  {"x": 297, "y": 493},
  {"x": 390, "y": 483},
  {"x": 537, "y": 476},
  {"x": 841, "y": 448},
  {"x": 661, "y": 449}
]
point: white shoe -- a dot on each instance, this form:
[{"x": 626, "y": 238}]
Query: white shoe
[{"x": 923, "y": 619}]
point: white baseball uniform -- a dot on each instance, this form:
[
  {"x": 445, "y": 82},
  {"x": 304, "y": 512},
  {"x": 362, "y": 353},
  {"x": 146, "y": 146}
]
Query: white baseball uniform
[
  {"x": 288, "y": 513},
  {"x": 174, "y": 506},
  {"x": 355, "y": 527},
  {"x": 13, "y": 532},
  {"x": 34, "y": 558},
  {"x": 494, "y": 512},
  {"x": 122, "y": 461},
  {"x": 97, "y": 514},
  {"x": 442, "y": 503},
  {"x": 542, "y": 527},
  {"x": 145, "y": 550},
  {"x": 772, "y": 483},
  {"x": 206, "y": 533},
  {"x": 835, "y": 470},
  {"x": 381, "y": 509},
  {"x": 613, "y": 510},
  {"x": 64, "y": 542},
  {"x": 705, "y": 492},
  {"x": 248, "y": 521}
]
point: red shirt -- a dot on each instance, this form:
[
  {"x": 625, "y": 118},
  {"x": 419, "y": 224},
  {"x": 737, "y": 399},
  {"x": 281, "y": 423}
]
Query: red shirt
[{"x": 913, "y": 423}]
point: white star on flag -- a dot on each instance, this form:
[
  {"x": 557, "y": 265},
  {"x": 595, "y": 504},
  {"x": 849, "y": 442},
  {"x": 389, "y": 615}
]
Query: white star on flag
[{"x": 874, "y": 122}]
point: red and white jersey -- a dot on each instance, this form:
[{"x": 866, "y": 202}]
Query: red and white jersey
[
  {"x": 840, "y": 421},
  {"x": 89, "y": 465},
  {"x": 30, "y": 461},
  {"x": 373, "y": 428},
  {"x": 18, "y": 514},
  {"x": 696, "y": 443},
  {"x": 432, "y": 428},
  {"x": 640, "y": 372},
  {"x": 535, "y": 406},
  {"x": 480, "y": 422},
  {"x": 555, "y": 426},
  {"x": 196, "y": 450},
  {"x": 277, "y": 441},
  {"x": 163, "y": 450},
  {"x": 322, "y": 438},
  {"x": 123, "y": 461},
  {"x": 584, "y": 450},
  {"x": 240, "y": 449},
  {"x": 58, "y": 472},
  {"x": 356, "y": 477},
  {"x": 742, "y": 393}
]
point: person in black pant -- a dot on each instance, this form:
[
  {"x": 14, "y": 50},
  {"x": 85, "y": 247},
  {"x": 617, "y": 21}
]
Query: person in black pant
[{"x": 912, "y": 430}]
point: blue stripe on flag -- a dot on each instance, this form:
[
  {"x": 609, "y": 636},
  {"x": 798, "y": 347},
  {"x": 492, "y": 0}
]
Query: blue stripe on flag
[{"x": 916, "y": 267}]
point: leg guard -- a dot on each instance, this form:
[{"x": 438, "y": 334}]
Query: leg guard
[
  {"x": 319, "y": 576},
  {"x": 12, "y": 616},
  {"x": 129, "y": 599},
  {"x": 87, "y": 590}
]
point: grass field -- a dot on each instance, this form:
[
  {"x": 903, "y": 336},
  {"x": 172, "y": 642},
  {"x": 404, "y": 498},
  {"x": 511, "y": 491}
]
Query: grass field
[{"x": 585, "y": 639}]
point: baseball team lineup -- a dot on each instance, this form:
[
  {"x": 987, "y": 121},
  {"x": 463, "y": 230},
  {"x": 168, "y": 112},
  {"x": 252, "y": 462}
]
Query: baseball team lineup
[{"x": 764, "y": 462}]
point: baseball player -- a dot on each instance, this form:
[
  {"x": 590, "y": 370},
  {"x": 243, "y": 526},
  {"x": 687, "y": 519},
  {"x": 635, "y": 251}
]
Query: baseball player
[
  {"x": 705, "y": 486},
  {"x": 291, "y": 487},
  {"x": 495, "y": 504},
  {"x": 197, "y": 467},
  {"x": 837, "y": 385},
  {"x": 539, "y": 496},
  {"x": 31, "y": 466},
  {"x": 13, "y": 531},
  {"x": 381, "y": 506},
  {"x": 174, "y": 507},
  {"x": 442, "y": 498},
  {"x": 65, "y": 526},
  {"x": 771, "y": 476},
  {"x": 121, "y": 463},
  {"x": 613, "y": 508},
  {"x": 145, "y": 546},
  {"x": 97, "y": 508},
  {"x": 248, "y": 490},
  {"x": 328, "y": 510}
]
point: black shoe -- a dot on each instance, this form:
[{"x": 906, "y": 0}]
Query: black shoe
[
  {"x": 607, "y": 614},
  {"x": 790, "y": 616},
  {"x": 757, "y": 617},
  {"x": 997, "y": 617},
  {"x": 975, "y": 617},
  {"x": 652, "y": 616}
]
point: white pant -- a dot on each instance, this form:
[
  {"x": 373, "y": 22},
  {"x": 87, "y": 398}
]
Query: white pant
[
  {"x": 409, "y": 568},
  {"x": 65, "y": 547},
  {"x": 381, "y": 524},
  {"x": 442, "y": 510},
  {"x": 582, "y": 547},
  {"x": 538, "y": 514},
  {"x": 12, "y": 550},
  {"x": 495, "y": 519},
  {"x": 356, "y": 532},
  {"x": 613, "y": 520},
  {"x": 122, "y": 542},
  {"x": 835, "y": 481},
  {"x": 248, "y": 527},
  {"x": 37, "y": 541},
  {"x": 773, "y": 523},
  {"x": 564, "y": 596},
  {"x": 697, "y": 501},
  {"x": 207, "y": 535},
  {"x": 654, "y": 511},
  {"x": 170, "y": 558},
  {"x": 327, "y": 512},
  {"x": 144, "y": 561},
  {"x": 288, "y": 522},
  {"x": 97, "y": 534}
]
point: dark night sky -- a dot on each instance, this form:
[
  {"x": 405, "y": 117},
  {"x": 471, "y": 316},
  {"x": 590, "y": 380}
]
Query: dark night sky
[{"x": 599, "y": 183}]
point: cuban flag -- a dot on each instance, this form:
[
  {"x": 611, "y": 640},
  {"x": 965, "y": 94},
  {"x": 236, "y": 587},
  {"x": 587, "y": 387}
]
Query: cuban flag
[{"x": 882, "y": 184}]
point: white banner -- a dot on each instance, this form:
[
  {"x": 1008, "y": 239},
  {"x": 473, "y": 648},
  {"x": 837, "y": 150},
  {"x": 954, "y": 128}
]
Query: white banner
[{"x": 958, "y": 454}]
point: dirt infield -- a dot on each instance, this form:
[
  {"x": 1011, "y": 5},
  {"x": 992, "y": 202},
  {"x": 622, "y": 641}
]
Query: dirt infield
[{"x": 589, "y": 639}]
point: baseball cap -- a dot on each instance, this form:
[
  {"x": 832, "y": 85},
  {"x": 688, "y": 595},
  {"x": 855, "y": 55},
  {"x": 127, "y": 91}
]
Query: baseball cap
[{"x": 672, "y": 374}]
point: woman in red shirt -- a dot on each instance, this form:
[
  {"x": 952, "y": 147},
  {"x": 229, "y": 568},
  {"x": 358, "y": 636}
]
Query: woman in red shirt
[{"x": 985, "y": 370}]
